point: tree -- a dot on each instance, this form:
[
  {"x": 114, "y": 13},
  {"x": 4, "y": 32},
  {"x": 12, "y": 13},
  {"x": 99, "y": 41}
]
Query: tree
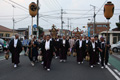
[
  {"x": 118, "y": 25},
  {"x": 40, "y": 30}
]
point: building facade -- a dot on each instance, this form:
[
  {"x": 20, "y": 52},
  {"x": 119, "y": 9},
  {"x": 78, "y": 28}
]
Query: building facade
[
  {"x": 6, "y": 32},
  {"x": 99, "y": 27}
]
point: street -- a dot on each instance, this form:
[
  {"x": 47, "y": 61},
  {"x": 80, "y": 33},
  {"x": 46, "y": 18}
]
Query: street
[{"x": 59, "y": 71}]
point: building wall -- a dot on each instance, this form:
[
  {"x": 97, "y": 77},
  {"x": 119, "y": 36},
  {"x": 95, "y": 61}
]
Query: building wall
[
  {"x": 9, "y": 33},
  {"x": 99, "y": 27}
]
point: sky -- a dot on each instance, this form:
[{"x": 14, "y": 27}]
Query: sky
[{"x": 77, "y": 12}]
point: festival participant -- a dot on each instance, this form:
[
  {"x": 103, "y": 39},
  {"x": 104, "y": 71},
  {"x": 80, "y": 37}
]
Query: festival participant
[
  {"x": 104, "y": 52},
  {"x": 33, "y": 51},
  {"x": 63, "y": 47},
  {"x": 48, "y": 52},
  {"x": 93, "y": 48},
  {"x": 80, "y": 48},
  {"x": 15, "y": 47}
]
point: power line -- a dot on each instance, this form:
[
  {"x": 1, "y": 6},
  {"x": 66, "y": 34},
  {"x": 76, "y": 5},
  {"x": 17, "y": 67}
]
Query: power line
[
  {"x": 101, "y": 6},
  {"x": 22, "y": 19},
  {"x": 18, "y": 4},
  {"x": 14, "y": 5},
  {"x": 54, "y": 1},
  {"x": 59, "y": 4}
]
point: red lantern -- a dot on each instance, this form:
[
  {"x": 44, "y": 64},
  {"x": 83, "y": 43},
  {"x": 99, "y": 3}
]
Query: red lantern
[{"x": 108, "y": 10}]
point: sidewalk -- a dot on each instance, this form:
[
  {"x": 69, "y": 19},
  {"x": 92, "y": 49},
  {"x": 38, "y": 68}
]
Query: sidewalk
[{"x": 115, "y": 60}]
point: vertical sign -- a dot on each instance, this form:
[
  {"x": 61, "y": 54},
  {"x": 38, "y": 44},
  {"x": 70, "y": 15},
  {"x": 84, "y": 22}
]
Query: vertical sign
[
  {"x": 88, "y": 31},
  {"x": 30, "y": 31}
]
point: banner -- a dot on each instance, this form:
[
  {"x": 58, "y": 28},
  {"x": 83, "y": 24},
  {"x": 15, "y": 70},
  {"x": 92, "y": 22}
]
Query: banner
[
  {"x": 30, "y": 31},
  {"x": 88, "y": 31}
]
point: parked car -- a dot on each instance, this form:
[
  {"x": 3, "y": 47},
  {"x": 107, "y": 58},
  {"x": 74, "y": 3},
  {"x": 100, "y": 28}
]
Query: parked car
[
  {"x": 115, "y": 47},
  {"x": 1, "y": 48}
]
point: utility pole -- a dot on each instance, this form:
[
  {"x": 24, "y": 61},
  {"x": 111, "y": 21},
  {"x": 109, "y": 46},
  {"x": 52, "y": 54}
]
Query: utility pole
[
  {"x": 37, "y": 17},
  {"x": 94, "y": 27},
  {"x": 13, "y": 20},
  {"x": 119, "y": 18},
  {"x": 61, "y": 32},
  {"x": 68, "y": 23}
]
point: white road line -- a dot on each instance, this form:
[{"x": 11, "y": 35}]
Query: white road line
[
  {"x": 117, "y": 71},
  {"x": 117, "y": 78}
]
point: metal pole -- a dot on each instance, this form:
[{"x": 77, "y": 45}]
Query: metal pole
[
  {"x": 13, "y": 19},
  {"x": 37, "y": 17},
  {"x": 94, "y": 29},
  {"x": 32, "y": 26},
  {"x": 106, "y": 42},
  {"x": 94, "y": 23},
  {"x": 61, "y": 22}
]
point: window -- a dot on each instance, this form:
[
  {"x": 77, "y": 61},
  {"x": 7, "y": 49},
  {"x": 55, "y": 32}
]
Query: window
[
  {"x": 7, "y": 35},
  {"x": 99, "y": 25},
  {"x": 105, "y": 26},
  {"x": 98, "y": 29},
  {"x": 1, "y": 34}
]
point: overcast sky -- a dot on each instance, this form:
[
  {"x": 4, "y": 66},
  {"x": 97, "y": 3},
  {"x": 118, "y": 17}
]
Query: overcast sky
[{"x": 78, "y": 11}]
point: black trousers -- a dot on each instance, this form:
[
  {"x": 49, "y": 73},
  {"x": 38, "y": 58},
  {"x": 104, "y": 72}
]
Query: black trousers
[
  {"x": 80, "y": 55},
  {"x": 93, "y": 58},
  {"x": 104, "y": 58},
  {"x": 25, "y": 48},
  {"x": 63, "y": 54},
  {"x": 47, "y": 59}
]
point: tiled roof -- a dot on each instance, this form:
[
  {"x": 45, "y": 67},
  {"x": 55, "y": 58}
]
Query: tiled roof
[{"x": 5, "y": 29}]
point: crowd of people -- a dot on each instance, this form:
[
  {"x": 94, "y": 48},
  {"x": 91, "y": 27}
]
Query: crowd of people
[{"x": 94, "y": 49}]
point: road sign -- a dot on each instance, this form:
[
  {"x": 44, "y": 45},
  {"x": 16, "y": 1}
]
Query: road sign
[{"x": 34, "y": 26}]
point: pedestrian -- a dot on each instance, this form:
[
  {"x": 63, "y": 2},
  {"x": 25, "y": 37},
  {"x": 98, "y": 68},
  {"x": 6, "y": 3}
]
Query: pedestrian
[
  {"x": 48, "y": 52},
  {"x": 63, "y": 47},
  {"x": 98, "y": 52},
  {"x": 93, "y": 49},
  {"x": 15, "y": 47},
  {"x": 104, "y": 52},
  {"x": 87, "y": 44},
  {"x": 25, "y": 44},
  {"x": 80, "y": 48},
  {"x": 33, "y": 51},
  {"x": 71, "y": 42}
]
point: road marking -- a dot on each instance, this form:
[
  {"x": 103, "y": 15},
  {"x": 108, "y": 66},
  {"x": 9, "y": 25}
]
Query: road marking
[
  {"x": 117, "y": 71},
  {"x": 117, "y": 78}
]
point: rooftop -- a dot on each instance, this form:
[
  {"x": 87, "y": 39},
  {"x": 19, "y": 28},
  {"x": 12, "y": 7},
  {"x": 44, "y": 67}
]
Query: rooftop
[{"x": 5, "y": 29}]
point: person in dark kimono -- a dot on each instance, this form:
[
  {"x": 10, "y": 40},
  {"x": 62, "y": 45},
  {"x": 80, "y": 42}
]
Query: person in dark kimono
[
  {"x": 42, "y": 53},
  {"x": 63, "y": 47},
  {"x": 93, "y": 48},
  {"x": 80, "y": 48},
  {"x": 104, "y": 52},
  {"x": 98, "y": 52},
  {"x": 57, "y": 47},
  {"x": 33, "y": 51},
  {"x": 48, "y": 52},
  {"x": 86, "y": 43},
  {"x": 15, "y": 47}
]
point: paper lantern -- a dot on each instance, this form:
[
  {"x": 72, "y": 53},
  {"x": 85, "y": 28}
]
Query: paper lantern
[
  {"x": 33, "y": 9},
  {"x": 108, "y": 10}
]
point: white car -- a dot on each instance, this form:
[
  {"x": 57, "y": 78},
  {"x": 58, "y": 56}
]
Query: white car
[
  {"x": 115, "y": 47},
  {"x": 1, "y": 48}
]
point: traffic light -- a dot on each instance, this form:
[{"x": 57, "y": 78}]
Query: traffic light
[{"x": 33, "y": 9}]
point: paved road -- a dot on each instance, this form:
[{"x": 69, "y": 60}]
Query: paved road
[{"x": 59, "y": 71}]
